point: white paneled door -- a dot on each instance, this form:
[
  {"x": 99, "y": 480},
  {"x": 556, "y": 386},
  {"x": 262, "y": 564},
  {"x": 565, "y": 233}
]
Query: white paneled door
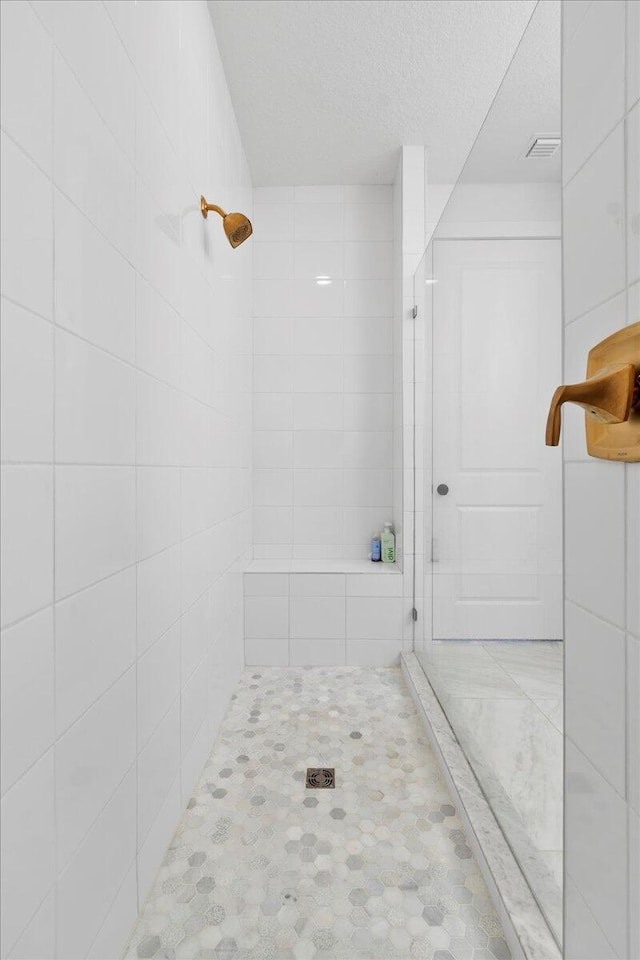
[{"x": 497, "y": 517}]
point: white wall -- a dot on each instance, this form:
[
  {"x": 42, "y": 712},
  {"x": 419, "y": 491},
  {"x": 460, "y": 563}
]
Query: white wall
[
  {"x": 601, "y": 174},
  {"x": 126, "y": 407},
  {"x": 323, "y": 373}
]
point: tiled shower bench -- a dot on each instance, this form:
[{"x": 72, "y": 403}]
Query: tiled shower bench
[{"x": 324, "y": 613}]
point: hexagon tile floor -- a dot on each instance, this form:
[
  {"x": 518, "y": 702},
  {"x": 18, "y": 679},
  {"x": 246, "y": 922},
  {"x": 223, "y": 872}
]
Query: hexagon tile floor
[{"x": 262, "y": 867}]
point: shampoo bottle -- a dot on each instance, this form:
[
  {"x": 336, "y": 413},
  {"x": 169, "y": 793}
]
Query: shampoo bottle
[{"x": 388, "y": 544}]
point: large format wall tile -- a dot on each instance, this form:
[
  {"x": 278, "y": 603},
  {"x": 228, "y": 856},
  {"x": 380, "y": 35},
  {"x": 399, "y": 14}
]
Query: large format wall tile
[{"x": 126, "y": 450}]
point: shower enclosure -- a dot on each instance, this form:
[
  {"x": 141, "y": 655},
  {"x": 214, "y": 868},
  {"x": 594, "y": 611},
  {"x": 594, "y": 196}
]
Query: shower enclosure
[{"x": 487, "y": 347}]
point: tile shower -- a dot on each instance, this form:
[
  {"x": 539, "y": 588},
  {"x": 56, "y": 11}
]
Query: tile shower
[{"x": 197, "y": 446}]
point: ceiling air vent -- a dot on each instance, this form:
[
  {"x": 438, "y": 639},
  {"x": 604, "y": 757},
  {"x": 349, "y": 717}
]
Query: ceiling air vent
[{"x": 543, "y": 148}]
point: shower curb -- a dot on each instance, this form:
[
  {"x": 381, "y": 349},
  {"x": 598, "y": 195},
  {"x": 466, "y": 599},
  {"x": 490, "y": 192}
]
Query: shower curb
[{"x": 525, "y": 927}]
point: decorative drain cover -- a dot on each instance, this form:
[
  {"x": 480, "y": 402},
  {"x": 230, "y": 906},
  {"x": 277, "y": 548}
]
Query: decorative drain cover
[{"x": 321, "y": 778}]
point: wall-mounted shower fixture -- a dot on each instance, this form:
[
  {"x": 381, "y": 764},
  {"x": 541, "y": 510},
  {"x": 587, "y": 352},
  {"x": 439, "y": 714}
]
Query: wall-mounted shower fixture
[
  {"x": 236, "y": 226},
  {"x": 610, "y": 397}
]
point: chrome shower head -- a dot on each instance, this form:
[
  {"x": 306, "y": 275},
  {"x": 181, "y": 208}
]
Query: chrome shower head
[{"x": 236, "y": 226}]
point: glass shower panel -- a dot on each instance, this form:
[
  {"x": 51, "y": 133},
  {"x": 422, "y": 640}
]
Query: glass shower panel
[{"x": 490, "y": 345}]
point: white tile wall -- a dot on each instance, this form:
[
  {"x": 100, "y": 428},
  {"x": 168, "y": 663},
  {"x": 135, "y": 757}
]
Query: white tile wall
[
  {"x": 126, "y": 451},
  {"x": 310, "y": 619},
  {"x": 323, "y": 369},
  {"x": 602, "y": 512}
]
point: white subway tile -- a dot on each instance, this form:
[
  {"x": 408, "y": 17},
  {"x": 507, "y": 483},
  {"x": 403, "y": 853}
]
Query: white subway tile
[
  {"x": 95, "y": 291},
  {"x": 322, "y": 488},
  {"x": 374, "y": 618},
  {"x": 318, "y": 221},
  {"x": 273, "y": 525},
  {"x": 272, "y": 298},
  {"x": 273, "y": 221},
  {"x": 158, "y": 682},
  {"x": 317, "y": 585},
  {"x": 266, "y": 652},
  {"x": 317, "y": 653},
  {"x": 368, "y": 221},
  {"x": 272, "y": 374},
  {"x": 317, "y": 448},
  {"x": 317, "y": 618},
  {"x": 594, "y": 228},
  {"x": 273, "y": 411},
  {"x": 193, "y": 705},
  {"x": 594, "y": 551},
  {"x": 26, "y": 231},
  {"x": 157, "y": 509},
  {"x": 266, "y": 618},
  {"x": 368, "y": 261},
  {"x": 368, "y": 298},
  {"x": 92, "y": 758},
  {"x": 315, "y": 338},
  {"x": 95, "y": 404},
  {"x": 157, "y": 839},
  {"x": 27, "y": 385},
  {"x": 89, "y": 166},
  {"x": 266, "y": 584},
  {"x": 273, "y": 261},
  {"x": 95, "y": 524},
  {"x": 317, "y": 374},
  {"x": 273, "y": 448},
  {"x": 27, "y": 674},
  {"x": 158, "y": 428},
  {"x": 368, "y": 374},
  {"x": 158, "y": 580},
  {"x": 118, "y": 921},
  {"x": 27, "y": 106},
  {"x": 318, "y": 260},
  {"x": 104, "y": 70},
  {"x": 318, "y": 411},
  {"x": 95, "y": 643},
  {"x": 318, "y": 298},
  {"x": 157, "y": 335},
  {"x": 373, "y": 653},
  {"x": 368, "y": 411},
  {"x": 590, "y": 801},
  {"x": 592, "y": 82},
  {"x": 26, "y": 536},
  {"x": 272, "y": 336},
  {"x": 158, "y": 769},
  {"x": 595, "y": 697},
  {"x": 272, "y": 488},
  {"x": 88, "y": 886},
  {"x": 27, "y": 864},
  {"x": 39, "y": 937}
]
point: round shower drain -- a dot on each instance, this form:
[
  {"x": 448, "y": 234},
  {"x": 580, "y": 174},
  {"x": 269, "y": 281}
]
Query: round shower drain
[{"x": 321, "y": 778}]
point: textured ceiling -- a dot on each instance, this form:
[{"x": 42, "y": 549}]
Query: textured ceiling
[
  {"x": 326, "y": 91},
  {"x": 527, "y": 104}
]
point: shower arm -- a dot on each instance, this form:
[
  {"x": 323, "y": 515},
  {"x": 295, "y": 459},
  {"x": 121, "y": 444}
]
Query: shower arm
[{"x": 206, "y": 207}]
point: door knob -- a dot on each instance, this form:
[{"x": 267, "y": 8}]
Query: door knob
[
  {"x": 610, "y": 397},
  {"x": 442, "y": 489}
]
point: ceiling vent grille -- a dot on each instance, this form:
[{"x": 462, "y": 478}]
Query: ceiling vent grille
[{"x": 543, "y": 148}]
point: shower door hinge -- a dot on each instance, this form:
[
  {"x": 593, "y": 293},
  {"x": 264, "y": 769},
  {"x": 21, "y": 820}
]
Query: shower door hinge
[
  {"x": 414, "y": 614},
  {"x": 414, "y": 312}
]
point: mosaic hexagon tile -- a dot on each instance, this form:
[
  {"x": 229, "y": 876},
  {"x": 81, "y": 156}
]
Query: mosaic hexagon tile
[{"x": 264, "y": 868}]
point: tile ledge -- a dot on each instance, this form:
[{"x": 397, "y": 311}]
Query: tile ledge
[{"x": 323, "y": 566}]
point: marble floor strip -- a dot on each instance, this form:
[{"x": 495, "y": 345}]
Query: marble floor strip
[{"x": 262, "y": 867}]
